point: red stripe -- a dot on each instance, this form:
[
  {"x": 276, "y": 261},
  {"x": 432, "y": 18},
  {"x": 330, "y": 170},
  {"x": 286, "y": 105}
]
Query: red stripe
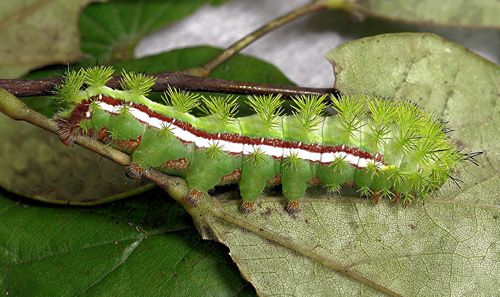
[{"x": 234, "y": 138}]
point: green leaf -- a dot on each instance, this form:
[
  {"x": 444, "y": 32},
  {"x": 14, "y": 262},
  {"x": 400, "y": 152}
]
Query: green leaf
[
  {"x": 346, "y": 245},
  {"x": 141, "y": 247},
  {"x": 110, "y": 31},
  {"x": 445, "y": 12},
  {"x": 448, "y": 246},
  {"x": 36, "y": 164},
  {"x": 38, "y": 33}
]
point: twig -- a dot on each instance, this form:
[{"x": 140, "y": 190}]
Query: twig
[
  {"x": 41, "y": 87},
  {"x": 233, "y": 49}
]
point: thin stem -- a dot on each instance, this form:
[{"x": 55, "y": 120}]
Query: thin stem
[
  {"x": 236, "y": 47},
  {"x": 42, "y": 87}
]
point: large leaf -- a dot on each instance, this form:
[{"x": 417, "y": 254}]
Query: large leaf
[
  {"x": 342, "y": 247},
  {"x": 143, "y": 247},
  {"x": 110, "y": 31},
  {"x": 445, "y": 12},
  {"x": 36, "y": 33}
]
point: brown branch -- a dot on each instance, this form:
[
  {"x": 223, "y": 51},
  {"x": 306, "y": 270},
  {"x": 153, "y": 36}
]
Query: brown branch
[{"x": 42, "y": 87}]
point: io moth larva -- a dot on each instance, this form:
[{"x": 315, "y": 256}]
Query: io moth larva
[{"x": 386, "y": 148}]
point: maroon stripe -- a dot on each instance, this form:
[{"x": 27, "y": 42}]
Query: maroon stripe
[
  {"x": 234, "y": 138},
  {"x": 78, "y": 113}
]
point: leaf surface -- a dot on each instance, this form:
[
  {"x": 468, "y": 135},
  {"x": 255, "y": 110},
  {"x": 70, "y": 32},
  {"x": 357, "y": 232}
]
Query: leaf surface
[
  {"x": 348, "y": 246},
  {"x": 110, "y": 31},
  {"x": 142, "y": 247},
  {"x": 446, "y": 12},
  {"x": 36, "y": 33}
]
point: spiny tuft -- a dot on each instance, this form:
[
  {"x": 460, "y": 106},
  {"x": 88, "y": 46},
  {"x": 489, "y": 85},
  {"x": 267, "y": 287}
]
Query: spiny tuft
[
  {"x": 181, "y": 100},
  {"x": 224, "y": 108},
  {"x": 97, "y": 76},
  {"x": 351, "y": 112},
  {"x": 382, "y": 116},
  {"x": 292, "y": 161},
  {"x": 365, "y": 191},
  {"x": 408, "y": 118},
  {"x": 257, "y": 157},
  {"x": 339, "y": 165},
  {"x": 137, "y": 83},
  {"x": 309, "y": 110},
  {"x": 69, "y": 88},
  {"x": 214, "y": 151},
  {"x": 166, "y": 133},
  {"x": 268, "y": 108}
]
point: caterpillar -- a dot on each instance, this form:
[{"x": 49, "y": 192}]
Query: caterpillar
[{"x": 385, "y": 148}]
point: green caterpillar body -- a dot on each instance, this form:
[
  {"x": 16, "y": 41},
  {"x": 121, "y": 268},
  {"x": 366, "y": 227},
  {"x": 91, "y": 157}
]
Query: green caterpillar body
[{"x": 386, "y": 148}]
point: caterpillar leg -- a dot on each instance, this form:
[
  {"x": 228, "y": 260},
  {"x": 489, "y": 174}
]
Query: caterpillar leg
[
  {"x": 295, "y": 174},
  {"x": 247, "y": 206},
  {"x": 376, "y": 197},
  {"x": 194, "y": 197},
  {"x": 292, "y": 207},
  {"x": 255, "y": 173},
  {"x": 207, "y": 169},
  {"x": 134, "y": 171},
  {"x": 67, "y": 131}
]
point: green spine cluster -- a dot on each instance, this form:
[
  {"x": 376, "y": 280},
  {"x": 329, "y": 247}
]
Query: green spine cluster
[{"x": 418, "y": 156}]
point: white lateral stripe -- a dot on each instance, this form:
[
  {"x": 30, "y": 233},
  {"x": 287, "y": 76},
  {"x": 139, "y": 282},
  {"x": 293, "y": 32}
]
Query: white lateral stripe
[
  {"x": 140, "y": 115},
  {"x": 157, "y": 123},
  {"x": 276, "y": 152},
  {"x": 330, "y": 157},
  {"x": 223, "y": 145},
  {"x": 303, "y": 154},
  {"x": 231, "y": 147},
  {"x": 245, "y": 149},
  {"x": 106, "y": 107},
  {"x": 182, "y": 134}
]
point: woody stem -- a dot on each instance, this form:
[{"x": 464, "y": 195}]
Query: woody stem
[{"x": 42, "y": 87}]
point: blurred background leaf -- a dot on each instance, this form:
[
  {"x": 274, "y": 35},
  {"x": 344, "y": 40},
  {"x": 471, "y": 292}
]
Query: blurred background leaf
[
  {"x": 111, "y": 31},
  {"x": 445, "y": 12},
  {"x": 141, "y": 247},
  {"x": 36, "y": 33}
]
